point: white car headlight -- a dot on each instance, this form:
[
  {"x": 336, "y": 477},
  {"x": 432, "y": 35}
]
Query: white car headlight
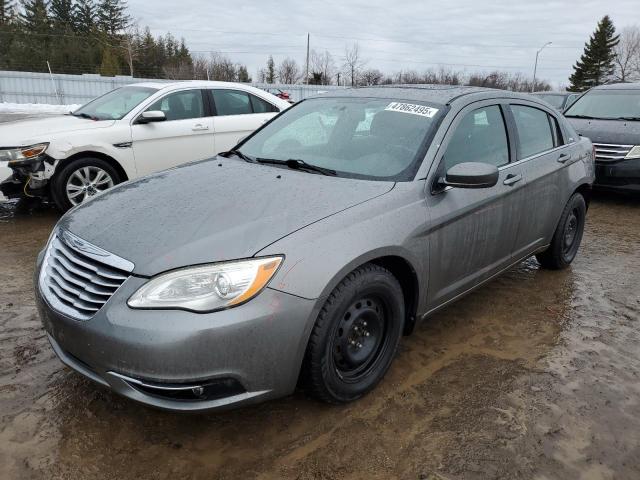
[
  {"x": 20, "y": 154},
  {"x": 634, "y": 152},
  {"x": 207, "y": 288}
]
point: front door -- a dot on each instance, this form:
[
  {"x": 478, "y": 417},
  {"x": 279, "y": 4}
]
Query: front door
[
  {"x": 186, "y": 134},
  {"x": 473, "y": 231}
]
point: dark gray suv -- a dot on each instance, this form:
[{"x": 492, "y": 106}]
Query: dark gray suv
[
  {"x": 610, "y": 116},
  {"x": 307, "y": 251}
]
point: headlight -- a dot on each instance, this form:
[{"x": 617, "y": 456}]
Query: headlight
[
  {"x": 634, "y": 152},
  {"x": 208, "y": 287},
  {"x": 20, "y": 154}
]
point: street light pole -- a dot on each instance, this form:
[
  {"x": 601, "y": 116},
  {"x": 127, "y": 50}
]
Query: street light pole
[{"x": 535, "y": 66}]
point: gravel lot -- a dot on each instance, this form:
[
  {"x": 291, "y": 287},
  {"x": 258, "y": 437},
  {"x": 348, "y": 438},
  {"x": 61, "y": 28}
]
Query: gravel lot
[{"x": 535, "y": 375}]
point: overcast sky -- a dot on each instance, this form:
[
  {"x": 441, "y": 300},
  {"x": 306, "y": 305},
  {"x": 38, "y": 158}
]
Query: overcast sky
[{"x": 465, "y": 35}]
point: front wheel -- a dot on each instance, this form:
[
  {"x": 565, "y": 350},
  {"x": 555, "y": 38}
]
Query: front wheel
[
  {"x": 82, "y": 179},
  {"x": 567, "y": 237},
  {"x": 355, "y": 335}
]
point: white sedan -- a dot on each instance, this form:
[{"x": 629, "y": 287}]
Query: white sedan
[{"x": 127, "y": 133}]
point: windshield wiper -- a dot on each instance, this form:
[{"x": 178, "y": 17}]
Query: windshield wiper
[
  {"x": 627, "y": 118},
  {"x": 85, "y": 115},
  {"x": 297, "y": 164},
  {"x": 237, "y": 153},
  {"x": 586, "y": 117}
]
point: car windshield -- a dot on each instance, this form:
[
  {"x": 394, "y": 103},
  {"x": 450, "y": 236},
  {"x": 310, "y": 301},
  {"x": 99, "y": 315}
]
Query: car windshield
[
  {"x": 115, "y": 104},
  {"x": 369, "y": 138},
  {"x": 555, "y": 100},
  {"x": 607, "y": 104}
]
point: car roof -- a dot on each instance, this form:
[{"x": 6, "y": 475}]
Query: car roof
[
  {"x": 618, "y": 86},
  {"x": 189, "y": 83},
  {"x": 552, "y": 93},
  {"x": 442, "y": 94}
]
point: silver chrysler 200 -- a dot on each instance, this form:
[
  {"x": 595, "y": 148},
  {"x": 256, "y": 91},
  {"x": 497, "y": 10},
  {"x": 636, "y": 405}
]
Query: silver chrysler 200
[{"x": 304, "y": 254}]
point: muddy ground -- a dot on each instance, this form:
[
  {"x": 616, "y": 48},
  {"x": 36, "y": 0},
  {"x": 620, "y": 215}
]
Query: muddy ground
[{"x": 535, "y": 375}]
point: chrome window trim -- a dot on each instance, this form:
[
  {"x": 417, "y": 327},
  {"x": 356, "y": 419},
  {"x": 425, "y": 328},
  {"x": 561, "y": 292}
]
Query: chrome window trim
[{"x": 533, "y": 157}]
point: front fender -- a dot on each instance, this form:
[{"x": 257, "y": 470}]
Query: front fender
[{"x": 320, "y": 255}]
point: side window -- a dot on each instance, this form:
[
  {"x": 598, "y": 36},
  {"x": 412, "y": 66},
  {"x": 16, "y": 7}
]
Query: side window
[
  {"x": 481, "y": 136},
  {"x": 261, "y": 106},
  {"x": 534, "y": 130},
  {"x": 181, "y": 105},
  {"x": 231, "y": 102},
  {"x": 558, "y": 138}
]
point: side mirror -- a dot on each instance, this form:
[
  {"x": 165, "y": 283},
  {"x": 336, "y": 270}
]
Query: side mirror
[
  {"x": 152, "y": 116},
  {"x": 471, "y": 175}
]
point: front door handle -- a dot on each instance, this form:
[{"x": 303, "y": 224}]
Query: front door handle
[
  {"x": 564, "y": 157},
  {"x": 512, "y": 179},
  {"x": 199, "y": 126}
]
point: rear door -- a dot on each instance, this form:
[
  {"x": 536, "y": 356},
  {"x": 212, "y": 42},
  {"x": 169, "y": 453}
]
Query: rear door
[
  {"x": 473, "y": 230},
  {"x": 543, "y": 158},
  {"x": 237, "y": 114},
  {"x": 186, "y": 135}
]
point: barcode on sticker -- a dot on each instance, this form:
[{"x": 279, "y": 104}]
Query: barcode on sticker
[{"x": 412, "y": 108}]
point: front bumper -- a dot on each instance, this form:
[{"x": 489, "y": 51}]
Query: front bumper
[
  {"x": 249, "y": 353},
  {"x": 620, "y": 175}
]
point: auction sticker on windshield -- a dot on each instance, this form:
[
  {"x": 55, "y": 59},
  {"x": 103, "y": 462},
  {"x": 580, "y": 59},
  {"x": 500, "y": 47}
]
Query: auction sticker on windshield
[{"x": 421, "y": 110}]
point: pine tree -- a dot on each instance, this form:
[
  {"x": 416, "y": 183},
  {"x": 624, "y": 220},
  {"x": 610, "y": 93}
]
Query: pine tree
[
  {"x": 7, "y": 10},
  {"x": 34, "y": 17},
  {"x": 271, "y": 70},
  {"x": 596, "y": 64},
  {"x": 84, "y": 16},
  {"x": 243, "y": 74},
  {"x": 110, "y": 65},
  {"x": 112, "y": 16},
  {"x": 62, "y": 13}
]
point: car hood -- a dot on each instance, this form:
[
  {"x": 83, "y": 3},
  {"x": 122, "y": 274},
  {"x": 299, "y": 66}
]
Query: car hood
[
  {"x": 210, "y": 211},
  {"x": 29, "y": 131},
  {"x": 619, "y": 132}
]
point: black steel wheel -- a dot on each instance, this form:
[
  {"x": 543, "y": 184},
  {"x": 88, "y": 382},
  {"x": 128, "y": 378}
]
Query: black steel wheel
[
  {"x": 567, "y": 237},
  {"x": 355, "y": 336}
]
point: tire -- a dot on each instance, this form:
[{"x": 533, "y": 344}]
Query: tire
[
  {"x": 567, "y": 237},
  {"x": 355, "y": 336},
  {"x": 72, "y": 178}
]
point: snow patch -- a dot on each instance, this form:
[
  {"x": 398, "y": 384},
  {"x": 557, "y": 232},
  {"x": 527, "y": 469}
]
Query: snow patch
[{"x": 35, "y": 108}]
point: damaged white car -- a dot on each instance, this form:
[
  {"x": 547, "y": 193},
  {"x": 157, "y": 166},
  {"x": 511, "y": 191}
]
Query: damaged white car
[{"x": 127, "y": 133}]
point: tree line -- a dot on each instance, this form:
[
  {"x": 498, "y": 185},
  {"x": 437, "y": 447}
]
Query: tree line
[
  {"x": 99, "y": 36},
  {"x": 94, "y": 36}
]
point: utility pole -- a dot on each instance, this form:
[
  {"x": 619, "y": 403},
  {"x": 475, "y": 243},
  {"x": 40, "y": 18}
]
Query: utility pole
[
  {"x": 307, "y": 67},
  {"x": 535, "y": 66}
]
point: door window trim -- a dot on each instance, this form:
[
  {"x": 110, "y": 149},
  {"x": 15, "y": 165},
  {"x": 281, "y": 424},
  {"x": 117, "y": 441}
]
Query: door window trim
[
  {"x": 249, "y": 94},
  {"x": 502, "y": 104},
  {"x": 135, "y": 118},
  {"x": 556, "y": 131}
]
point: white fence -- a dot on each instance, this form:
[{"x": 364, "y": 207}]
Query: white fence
[{"x": 62, "y": 89}]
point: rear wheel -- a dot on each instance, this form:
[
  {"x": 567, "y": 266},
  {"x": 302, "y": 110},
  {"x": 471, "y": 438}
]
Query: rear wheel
[
  {"x": 355, "y": 336},
  {"x": 82, "y": 179},
  {"x": 567, "y": 237}
]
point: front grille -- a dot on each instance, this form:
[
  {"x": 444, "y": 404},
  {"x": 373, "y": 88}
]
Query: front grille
[
  {"x": 79, "y": 282},
  {"x": 609, "y": 152}
]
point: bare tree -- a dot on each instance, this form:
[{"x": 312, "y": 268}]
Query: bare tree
[
  {"x": 627, "y": 59},
  {"x": 322, "y": 67},
  {"x": 288, "y": 71},
  {"x": 353, "y": 62},
  {"x": 372, "y": 76}
]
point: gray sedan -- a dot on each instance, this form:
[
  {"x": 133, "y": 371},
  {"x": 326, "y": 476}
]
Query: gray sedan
[{"x": 303, "y": 255}]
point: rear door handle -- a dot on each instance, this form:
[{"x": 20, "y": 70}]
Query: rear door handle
[
  {"x": 564, "y": 157},
  {"x": 199, "y": 126},
  {"x": 512, "y": 179}
]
